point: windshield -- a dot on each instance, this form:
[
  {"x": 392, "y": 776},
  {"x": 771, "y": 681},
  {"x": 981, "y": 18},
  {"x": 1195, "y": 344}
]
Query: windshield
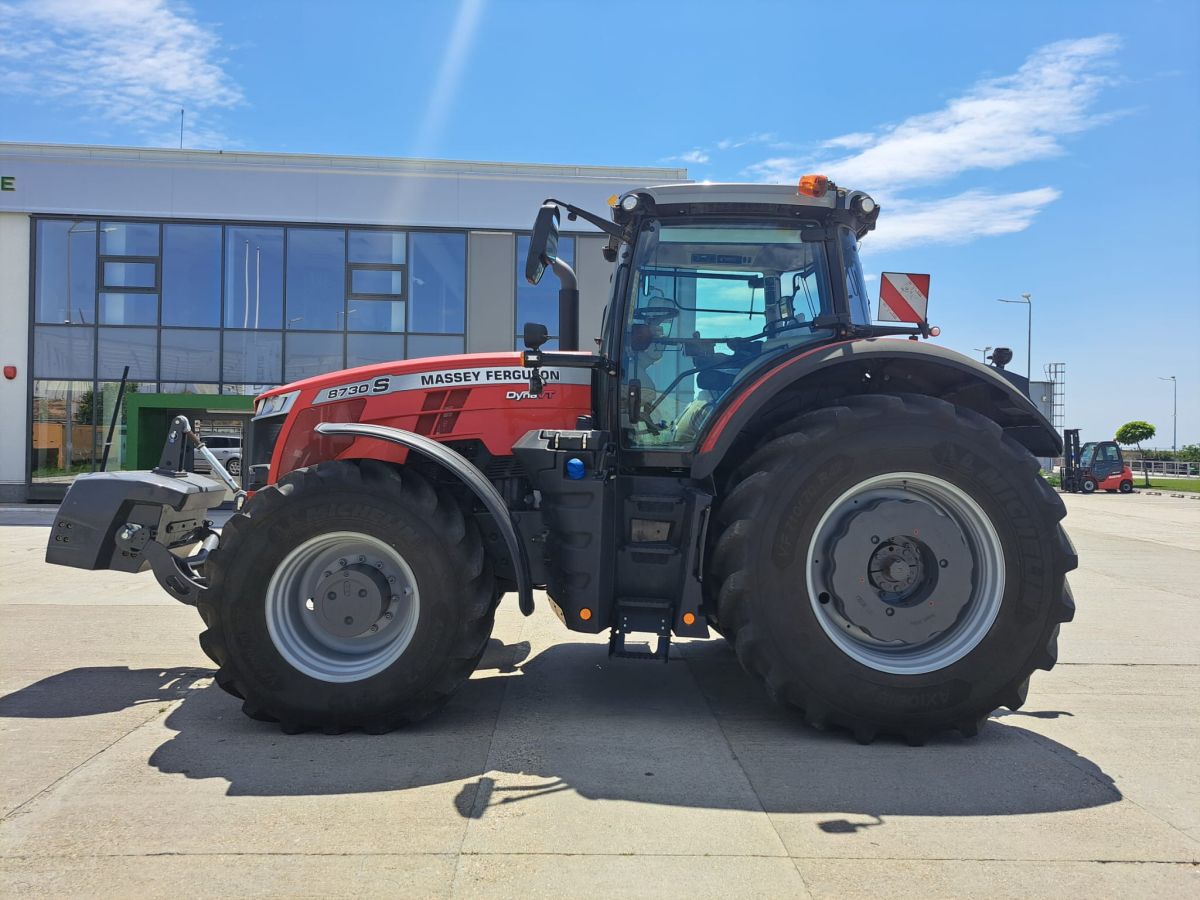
[{"x": 711, "y": 302}]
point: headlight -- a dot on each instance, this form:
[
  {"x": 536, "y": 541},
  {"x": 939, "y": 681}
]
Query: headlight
[{"x": 275, "y": 405}]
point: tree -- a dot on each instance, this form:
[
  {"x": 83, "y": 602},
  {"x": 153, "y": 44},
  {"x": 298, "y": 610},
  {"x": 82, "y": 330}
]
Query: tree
[{"x": 1134, "y": 433}]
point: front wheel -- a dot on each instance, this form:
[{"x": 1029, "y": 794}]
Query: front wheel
[
  {"x": 1088, "y": 485},
  {"x": 893, "y": 563},
  {"x": 350, "y": 595}
]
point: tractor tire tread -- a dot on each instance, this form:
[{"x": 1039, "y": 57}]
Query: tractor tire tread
[
  {"x": 748, "y": 493},
  {"x": 458, "y": 534}
]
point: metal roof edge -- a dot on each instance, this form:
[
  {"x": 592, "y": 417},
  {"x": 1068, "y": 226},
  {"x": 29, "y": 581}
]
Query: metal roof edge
[{"x": 87, "y": 152}]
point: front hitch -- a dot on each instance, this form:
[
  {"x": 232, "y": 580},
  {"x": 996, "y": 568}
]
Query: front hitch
[{"x": 130, "y": 521}]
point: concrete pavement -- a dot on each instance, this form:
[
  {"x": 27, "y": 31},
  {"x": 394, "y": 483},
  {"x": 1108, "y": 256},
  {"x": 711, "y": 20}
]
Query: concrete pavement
[{"x": 557, "y": 771}]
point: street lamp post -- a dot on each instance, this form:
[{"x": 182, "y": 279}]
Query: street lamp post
[
  {"x": 1174, "y": 410},
  {"x": 1027, "y": 300}
]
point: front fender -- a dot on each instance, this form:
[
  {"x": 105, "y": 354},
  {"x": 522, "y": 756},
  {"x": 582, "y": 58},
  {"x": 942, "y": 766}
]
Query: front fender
[
  {"x": 459, "y": 466},
  {"x": 873, "y": 365}
]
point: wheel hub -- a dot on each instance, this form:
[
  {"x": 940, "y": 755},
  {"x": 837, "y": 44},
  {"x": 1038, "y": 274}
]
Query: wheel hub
[
  {"x": 903, "y": 590},
  {"x": 349, "y": 601},
  {"x": 896, "y": 569}
]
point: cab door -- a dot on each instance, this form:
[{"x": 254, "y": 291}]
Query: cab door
[{"x": 1107, "y": 462}]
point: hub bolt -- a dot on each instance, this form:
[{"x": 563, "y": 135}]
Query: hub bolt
[
  {"x": 874, "y": 539},
  {"x": 388, "y": 615},
  {"x": 889, "y": 611},
  {"x": 391, "y": 579},
  {"x": 362, "y": 592},
  {"x": 342, "y": 562},
  {"x": 362, "y": 559},
  {"x": 943, "y": 563},
  {"x": 332, "y": 595},
  {"x": 349, "y": 620},
  {"x": 374, "y": 628}
]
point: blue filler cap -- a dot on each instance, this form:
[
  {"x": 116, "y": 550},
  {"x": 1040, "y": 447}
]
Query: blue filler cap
[{"x": 575, "y": 468}]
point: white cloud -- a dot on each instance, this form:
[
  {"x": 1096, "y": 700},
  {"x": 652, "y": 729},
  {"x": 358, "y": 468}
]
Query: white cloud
[
  {"x": 134, "y": 63},
  {"x": 759, "y": 137},
  {"x": 851, "y": 141},
  {"x": 998, "y": 123},
  {"x": 958, "y": 219}
]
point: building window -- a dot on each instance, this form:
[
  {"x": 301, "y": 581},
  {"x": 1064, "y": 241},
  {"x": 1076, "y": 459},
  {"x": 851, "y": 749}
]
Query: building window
[
  {"x": 316, "y": 265},
  {"x": 64, "y": 433},
  {"x": 226, "y": 308},
  {"x": 366, "y": 349},
  {"x": 539, "y": 302},
  {"x": 438, "y": 283},
  {"x": 376, "y": 265},
  {"x": 133, "y": 347},
  {"x": 253, "y": 357},
  {"x": 253, "y": 277},
  {"x": 191, "y": 275},
  {"x": 64, "y": 351},
  {"x": 65, "y": 276},
  {"x": 312, "y": 354},
  {"x": 129, "y": 239},
  {"x": 190, "y": 355}
]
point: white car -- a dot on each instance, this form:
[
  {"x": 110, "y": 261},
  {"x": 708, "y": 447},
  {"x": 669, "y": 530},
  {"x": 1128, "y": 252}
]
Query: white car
[{"x": 227, "y": 448}]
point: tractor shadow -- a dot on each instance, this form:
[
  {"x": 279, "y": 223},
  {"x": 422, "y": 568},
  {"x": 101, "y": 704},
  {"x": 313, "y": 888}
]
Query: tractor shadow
[{"x": 696, "y": 733}]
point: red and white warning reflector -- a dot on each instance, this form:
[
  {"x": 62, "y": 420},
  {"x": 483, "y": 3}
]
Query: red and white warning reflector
[{"x": 903, "y": 297}]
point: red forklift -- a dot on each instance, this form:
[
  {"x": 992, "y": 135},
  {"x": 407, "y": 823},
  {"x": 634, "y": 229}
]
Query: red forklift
[{"x": 1097, "y": 465}]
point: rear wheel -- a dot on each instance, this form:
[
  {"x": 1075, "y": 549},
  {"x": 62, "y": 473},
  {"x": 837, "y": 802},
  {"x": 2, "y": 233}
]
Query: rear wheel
[
  {"x": 347, "y": 596},
  {"x": 893, "y": 564},
  {"x": 234, "y": 466},
  {"x": 1126, "y": 487}
]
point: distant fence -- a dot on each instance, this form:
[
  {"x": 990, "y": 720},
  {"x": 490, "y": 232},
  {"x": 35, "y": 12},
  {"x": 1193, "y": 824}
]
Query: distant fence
[
  {"x": 1164, "y": 467},
  {"x": 1161, "y": 467}
]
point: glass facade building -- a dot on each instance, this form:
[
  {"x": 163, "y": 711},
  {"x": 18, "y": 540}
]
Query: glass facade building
[{"x": 214, "y": 276}]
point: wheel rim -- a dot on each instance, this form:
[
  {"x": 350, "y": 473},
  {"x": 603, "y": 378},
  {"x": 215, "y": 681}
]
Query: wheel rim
[
  {"x": 905, "y": 573},
  {"x": 342, "y": 606},
  {"x": 235, "y": 467}
]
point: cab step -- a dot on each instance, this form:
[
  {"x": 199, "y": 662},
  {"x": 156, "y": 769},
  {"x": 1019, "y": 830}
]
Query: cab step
[{"x": 641, "y": 615}]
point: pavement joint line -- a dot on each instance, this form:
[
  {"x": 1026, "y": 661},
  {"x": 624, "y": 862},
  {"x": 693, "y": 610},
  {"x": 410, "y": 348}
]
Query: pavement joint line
[
  {"x": 1194, "y": 863},
  {"x": 1133, "y": 665},
  {"x": 57, "y": 781},
  {"x": 687, "y": 663},
  {"x": 1045, "y": 743},
  {"x": 477, "y": 813}
]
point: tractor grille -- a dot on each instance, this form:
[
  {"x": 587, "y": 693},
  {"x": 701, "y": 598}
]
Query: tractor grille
[{"x": 263, "y": 435}]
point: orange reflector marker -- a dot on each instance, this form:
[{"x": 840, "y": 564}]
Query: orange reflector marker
[
  {"x": 689, "y": 618},
  {"x": 813, "y": 185},
  {"x": 585, "y": 614}
]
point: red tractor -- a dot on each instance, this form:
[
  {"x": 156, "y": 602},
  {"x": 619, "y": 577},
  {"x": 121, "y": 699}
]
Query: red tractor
[{"x": 860, "y": 517}]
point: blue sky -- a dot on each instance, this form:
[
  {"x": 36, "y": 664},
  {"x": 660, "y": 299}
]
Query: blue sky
[{"x": 1048, "y": 148}]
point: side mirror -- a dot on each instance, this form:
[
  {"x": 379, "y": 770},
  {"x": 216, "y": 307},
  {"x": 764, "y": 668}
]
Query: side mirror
[
  {"x": 534, "y": 335},
  {"x": 543, "y": 244}
]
